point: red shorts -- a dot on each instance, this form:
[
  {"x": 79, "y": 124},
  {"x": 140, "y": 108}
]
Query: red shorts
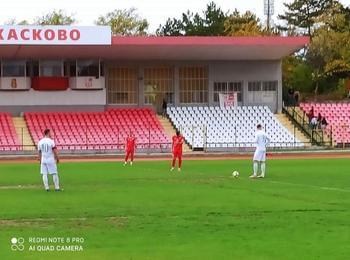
[
  {"x": 177, "y": 154},
  {"x": 130, "y": 151}
]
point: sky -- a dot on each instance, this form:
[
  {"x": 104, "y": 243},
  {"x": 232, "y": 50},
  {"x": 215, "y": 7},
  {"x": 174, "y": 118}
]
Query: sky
[{"x": 155, "y": 11}]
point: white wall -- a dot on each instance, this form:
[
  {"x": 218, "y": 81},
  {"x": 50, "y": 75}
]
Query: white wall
[
  {"x": 246, "y": 71},
  {"x": 87, "y": 83},
  {"x": 52, "y": 98},
  {"x": 22, "y": 83}
]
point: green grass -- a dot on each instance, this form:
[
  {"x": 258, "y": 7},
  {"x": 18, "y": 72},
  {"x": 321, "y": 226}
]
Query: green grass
[{"x": 301, "y": 211}]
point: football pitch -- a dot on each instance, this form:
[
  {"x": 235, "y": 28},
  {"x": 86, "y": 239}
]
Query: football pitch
[{"x": 107, "y": 211}]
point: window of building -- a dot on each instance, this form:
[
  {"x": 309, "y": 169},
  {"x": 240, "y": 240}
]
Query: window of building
[
  {"x": 70, "y": 68},
  {"x": 88, "y": 68},
  {"x": 269, "y": 85},
  {"x": 102, "y": 69},
  {"x": 122, "y": 86},
  {"x": 13, "y": 68},
  {"x": 254, "y": 86},
  {"x": 193, "y": 83},
  {"x": 227, "y": 88},
  {"x": 32, "y": 68},
  {"x": 159, "y": 85},
  {"x": 51, "y": 68}
]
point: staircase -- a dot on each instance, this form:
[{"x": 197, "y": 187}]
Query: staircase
[
  {"x": 170, "y": 131},
  {"x": 327, "y": 138},
  {"x": 23, "y": 133},
  {"x": 284, "y": 120}
]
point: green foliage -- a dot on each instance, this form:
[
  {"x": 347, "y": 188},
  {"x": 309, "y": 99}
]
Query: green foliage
[
  {"x": 328, "y": 55},
  {"x": 214, "y": 22},
  {"x": 211, "y": 23},
  {"x": 341, "y": 89},
  {"x": 301, "y": 15},
  {"x": 246, "y": 24},
  {"x": 329, "y": 51},
  {"x": 56, "y": 17},
  {"x": 301, "y": 78},
  {"x": 124, "y": 22}
]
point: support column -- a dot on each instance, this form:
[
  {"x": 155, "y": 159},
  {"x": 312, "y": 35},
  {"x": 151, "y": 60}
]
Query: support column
[
  {"x": 176, "y": 86},
  {"x": 141, "y": 86}
]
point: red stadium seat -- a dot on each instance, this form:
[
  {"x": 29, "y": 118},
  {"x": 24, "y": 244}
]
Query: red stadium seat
[
  {"x": 98, "y": 130},
  {"x": 8, "y": 136},
  {"x": 337, "y": 116}
]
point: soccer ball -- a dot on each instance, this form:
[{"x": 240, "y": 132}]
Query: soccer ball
[{"x": 235, "y": 174}]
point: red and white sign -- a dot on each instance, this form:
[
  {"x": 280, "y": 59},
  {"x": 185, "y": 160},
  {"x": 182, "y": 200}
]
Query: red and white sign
[
  {"x": 87, "y": 83},
  {"x": 14, "y": 83},
  {"x": 228, "y": 100},
  {"x": 55, "y": 35}
]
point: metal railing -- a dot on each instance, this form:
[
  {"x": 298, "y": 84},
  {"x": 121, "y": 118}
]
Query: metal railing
[
  {"x": 89, "y": 139},
  {"x": 317, "y": 136},
  {"x": 198, "y": 139}
]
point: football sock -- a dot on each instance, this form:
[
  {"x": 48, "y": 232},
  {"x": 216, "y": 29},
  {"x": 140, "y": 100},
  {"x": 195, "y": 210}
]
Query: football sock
[
  {"x": 255, "y": 168},
  {"x": 56, "y": 181},
  {"x": 263, "y": 169},
  {"x": 46, "y": 181},
  {"x": 173, "y": 163}
]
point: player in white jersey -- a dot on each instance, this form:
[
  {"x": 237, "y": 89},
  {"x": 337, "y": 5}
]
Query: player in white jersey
[
  {"x": 48, "y": 158},
  {"x": 261, "y": 140}
]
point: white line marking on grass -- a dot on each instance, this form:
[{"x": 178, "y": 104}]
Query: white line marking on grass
[
  {"x": 17, "y": 187},
  {"x": 310, "y": 186}
]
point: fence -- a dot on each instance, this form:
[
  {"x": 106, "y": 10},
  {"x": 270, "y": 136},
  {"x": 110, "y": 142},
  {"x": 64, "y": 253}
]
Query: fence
[
  {"x": 99, "y": 138},
  {"x": 317, "y": 136},
  {"x": 111, "y": 139},
  {"x": 198, "y": 139}
]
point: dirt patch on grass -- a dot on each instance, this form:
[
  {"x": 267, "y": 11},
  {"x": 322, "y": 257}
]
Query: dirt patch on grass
[
  {"x": 40, "y": 222},
  {"x": 20, "y": 187},
  {"x": 194, "y": 156},
  {"x": 114, "y": 221},
  {"x": 118, "y": 222},
  {"x": 26, "y": 222}
]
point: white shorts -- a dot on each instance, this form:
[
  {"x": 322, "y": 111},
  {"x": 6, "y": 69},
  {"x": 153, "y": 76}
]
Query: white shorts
[
  {"x": 48, "y": 168},
  {"x": 259, "y": 156}
]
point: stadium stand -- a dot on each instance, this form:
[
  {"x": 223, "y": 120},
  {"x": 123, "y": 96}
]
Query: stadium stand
[
  {"x": 99, "y": 130},
  {"x": 338, "y": 119},
  {"x": 215, "y": 127},
  {"x": 8, "y": 136}
]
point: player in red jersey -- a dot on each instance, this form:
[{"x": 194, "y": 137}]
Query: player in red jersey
[
  {"x": 130, "y": 148},
  {"x": 178, "y": 140}
]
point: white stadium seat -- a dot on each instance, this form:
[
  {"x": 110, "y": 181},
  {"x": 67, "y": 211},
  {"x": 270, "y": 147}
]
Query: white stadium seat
[{"x": 229, "y": 127}]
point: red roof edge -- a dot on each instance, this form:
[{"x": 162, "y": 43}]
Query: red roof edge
[{"x": 203, "y": 40}]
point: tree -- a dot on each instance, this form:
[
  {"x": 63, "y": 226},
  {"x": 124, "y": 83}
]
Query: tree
[
  {"x": 246, "y": 24},
  {"x": 296, "y": 73},
  {"x": 211, "y": 23},
  {"x": 329, "y": 51},
  {"x": 301, "y": 14},
  {"x": 172, "y": 27},
  {"x": 56, "y": 17},
  {"x": 124, "y": 22}
]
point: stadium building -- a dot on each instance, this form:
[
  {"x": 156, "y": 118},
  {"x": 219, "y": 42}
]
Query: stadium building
[
  {"x": 85, "y": 68},
  {"x": 64, "y": 69}
]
